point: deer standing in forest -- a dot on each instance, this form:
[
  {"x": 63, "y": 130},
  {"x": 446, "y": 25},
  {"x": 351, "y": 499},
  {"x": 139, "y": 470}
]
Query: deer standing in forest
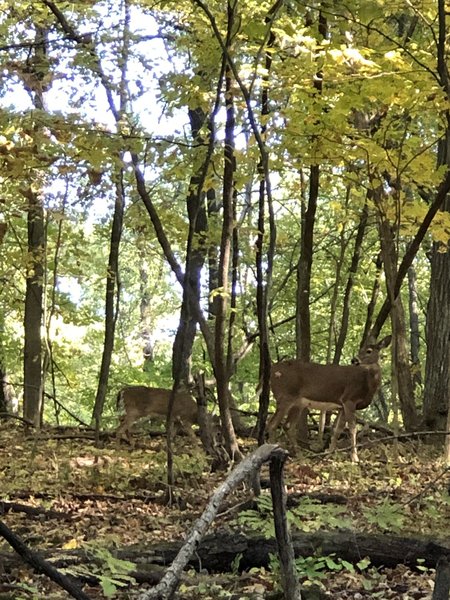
[
  {"x": 299, "y": 385},
  {"x": 139, "y": 401}
]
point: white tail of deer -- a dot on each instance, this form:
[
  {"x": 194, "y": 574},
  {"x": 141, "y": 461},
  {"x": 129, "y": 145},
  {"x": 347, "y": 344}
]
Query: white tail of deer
[
  {"x": 347, "y": 388},
  {"x": 139, "y": 401}
]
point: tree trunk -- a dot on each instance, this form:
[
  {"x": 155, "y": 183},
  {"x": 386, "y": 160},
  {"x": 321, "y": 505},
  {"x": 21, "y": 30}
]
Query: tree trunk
[
  {"x": 3, "y": 376},
  {"x": 3, "y": 400},
  {"x": 112, "y": 295},
  {"x": 264, "y": 262},
  {"x": 111, "y": 301},
  {"x": 145, "y": 329},
  {"x": 304, "y": 267},
  {"x": 403, "y": 369},
  {"x": 414, "y": 326},
  {"x": 195, "y": 258},
  {"x": 332, "y": 326},
  {"x": 32, "y": 367},
  {"x": 373, "y": 299},
  {"x": 437, "y": 372},
  {"x": 222, "y": 297},
  {"x": 33, "y": 380},
  {"x": 348, "y": 288},
  {"x": 437, "y": 368},
  {"x": 214, "y": 207},
  {"x": 401, "y": 354}
]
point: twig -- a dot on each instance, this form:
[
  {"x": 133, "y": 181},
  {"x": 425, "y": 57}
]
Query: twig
[
  {"x": 427, "y": 487},
  {"x": 41, "y": 565}
]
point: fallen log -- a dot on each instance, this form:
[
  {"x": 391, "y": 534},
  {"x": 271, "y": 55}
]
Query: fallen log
[{"x": 217, "y": 551}]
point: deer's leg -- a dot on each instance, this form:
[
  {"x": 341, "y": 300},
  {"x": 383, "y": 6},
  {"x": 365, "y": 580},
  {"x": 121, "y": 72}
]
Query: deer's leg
[
  {"x": 121, "y": 429},
  {"x": 187, "y": 428},
  {"x": 124, "y": 430},
  {"x": 275, "y": 420},
  {"x": 293, "y": 418},
  {"x": 341, "y": 420},
  {"x": 322, "y": 419},
  {"x": 351, "y": 420},
  {"x": 348, "y": 410}
]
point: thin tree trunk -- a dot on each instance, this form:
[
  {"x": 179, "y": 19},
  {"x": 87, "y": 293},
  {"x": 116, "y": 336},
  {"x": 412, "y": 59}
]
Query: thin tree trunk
[
  {"x": 112, "y": 295},
  {"x": 145, "y": 329},
  {"x": 214, "y": 207},
  {"x": 195, "y": 258},
  {"x": 348, "y": 288},
  {"x": 263, "y": 279},
  {"x": 337, "y": 284},
  {"x": 304, "y": 267},
  {"x": 414, "y": 326},
  {"x": 32, "y": 366},
  {"x": 3, "y": 375},
  {"x": 373, "y": 298},
  {"x": 3, "y": 402},
  {"x": 111, "y": 302},
  {"x": 221, "y": 308},
  {"x": 32, "y": 370}
]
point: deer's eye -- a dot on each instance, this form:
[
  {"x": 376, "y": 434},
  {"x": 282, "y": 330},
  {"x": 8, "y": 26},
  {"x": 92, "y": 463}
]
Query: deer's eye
[{"x": 369, "y": 350}]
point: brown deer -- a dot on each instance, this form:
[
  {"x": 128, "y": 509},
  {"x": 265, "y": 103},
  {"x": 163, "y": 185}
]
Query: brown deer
[
  {"x": 139, "y": 401},
  {"x": 298, "y": 385}
]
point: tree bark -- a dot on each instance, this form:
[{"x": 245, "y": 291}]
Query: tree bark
[{"x": 289, "y": 578}]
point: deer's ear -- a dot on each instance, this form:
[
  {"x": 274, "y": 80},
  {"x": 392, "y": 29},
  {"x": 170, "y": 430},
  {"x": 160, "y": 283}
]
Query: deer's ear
[{"x": 385, "y": 341}]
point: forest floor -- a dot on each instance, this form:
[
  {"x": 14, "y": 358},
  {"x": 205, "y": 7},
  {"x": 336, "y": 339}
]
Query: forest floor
[{"x": 98, "y": 500}]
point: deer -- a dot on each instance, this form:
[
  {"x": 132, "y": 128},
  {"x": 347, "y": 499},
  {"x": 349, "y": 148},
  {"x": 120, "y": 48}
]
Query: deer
[
  {"x": 298, "y": 385},
  {"x": 139, "y": 401}
]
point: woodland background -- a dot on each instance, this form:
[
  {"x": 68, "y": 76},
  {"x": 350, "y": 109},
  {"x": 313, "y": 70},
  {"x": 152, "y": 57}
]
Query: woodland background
[
  {"x": 274, "y": 176},
  {"x": 206, "y": 187}
]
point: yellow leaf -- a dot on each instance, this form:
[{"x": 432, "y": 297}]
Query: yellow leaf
[{"x": 71, "y": 544}]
